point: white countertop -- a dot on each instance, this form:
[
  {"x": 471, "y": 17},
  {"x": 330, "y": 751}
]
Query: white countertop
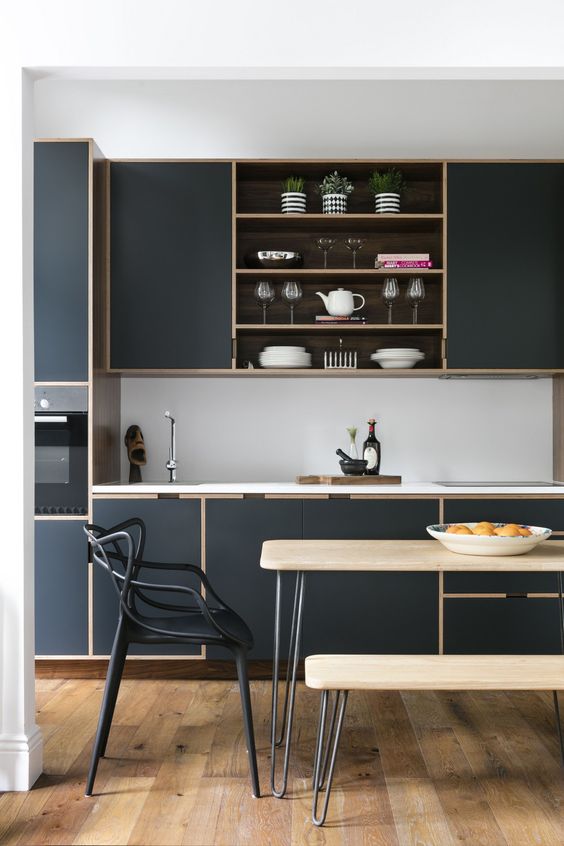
[{"x": 292, "y": 489}]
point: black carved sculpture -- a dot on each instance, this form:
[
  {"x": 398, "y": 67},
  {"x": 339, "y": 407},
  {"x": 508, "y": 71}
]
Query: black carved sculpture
[{"x": 135, "y": 452}]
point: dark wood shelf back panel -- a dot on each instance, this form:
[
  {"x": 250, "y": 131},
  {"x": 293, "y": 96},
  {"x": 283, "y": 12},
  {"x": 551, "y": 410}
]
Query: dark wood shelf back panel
[{"x": 429, "y": 311}]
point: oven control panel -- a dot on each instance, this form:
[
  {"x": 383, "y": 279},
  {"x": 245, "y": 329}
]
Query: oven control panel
[{"x": 60, "y": 398}]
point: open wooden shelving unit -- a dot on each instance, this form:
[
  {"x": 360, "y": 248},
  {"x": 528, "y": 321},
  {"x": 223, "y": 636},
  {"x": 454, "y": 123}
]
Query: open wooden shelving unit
[{"x": 259, "y": 225}]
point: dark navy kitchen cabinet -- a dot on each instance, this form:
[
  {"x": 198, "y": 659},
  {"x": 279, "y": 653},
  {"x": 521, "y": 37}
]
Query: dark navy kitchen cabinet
[
  {"x": 370, "y": 612},
  {"x": 501, "y": 626},
  {"x": 505, "y": 292},
  {"x": 61, "y": 260},
  {"x": 515, "y": 623},
  {"x": 235, "y": 532},
  {"x": 173, "y": 536},
  {"x": 170, "y": 265},
  {"x": 535, "y": 512},
  {"x": 61, "y": 588}
]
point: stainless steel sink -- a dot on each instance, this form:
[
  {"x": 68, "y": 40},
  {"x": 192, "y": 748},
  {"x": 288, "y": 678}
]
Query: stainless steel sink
[{"x": 499, "y": 484}]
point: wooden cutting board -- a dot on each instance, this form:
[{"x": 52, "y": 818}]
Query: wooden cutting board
[{"x": 348, "y": 480}]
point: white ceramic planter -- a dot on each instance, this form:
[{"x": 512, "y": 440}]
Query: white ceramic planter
[
  {"x": 293, "y": 202},
  {"x": 387, "y": 203},
  {"x": 334, "y": 203}
]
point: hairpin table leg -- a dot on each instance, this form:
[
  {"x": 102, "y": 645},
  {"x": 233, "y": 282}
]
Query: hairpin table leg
[{"x": 291, "y": 678}]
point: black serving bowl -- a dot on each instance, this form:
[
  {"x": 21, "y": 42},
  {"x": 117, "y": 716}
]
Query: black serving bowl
[
  {"x": 354, "y": 467},
  {"x": 274, "y": 259}
]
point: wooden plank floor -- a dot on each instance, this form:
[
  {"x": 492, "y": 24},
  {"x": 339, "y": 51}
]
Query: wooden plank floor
[{"x": 416, "y": 769}]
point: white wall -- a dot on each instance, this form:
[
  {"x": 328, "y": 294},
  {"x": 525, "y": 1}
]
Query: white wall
[{"x": 273, "y": 429}]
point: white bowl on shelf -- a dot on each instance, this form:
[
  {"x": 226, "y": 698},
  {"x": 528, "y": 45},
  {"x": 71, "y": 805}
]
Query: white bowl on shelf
[
  {"x": 390, "y": 358},
  {"x": 488, "y": 544}
]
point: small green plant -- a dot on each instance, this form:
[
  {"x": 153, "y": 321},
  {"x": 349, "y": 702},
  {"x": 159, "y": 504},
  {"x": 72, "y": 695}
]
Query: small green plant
[
  {"x": 386, "y": 181},
  {"x": 334, "y": 183},
  {"x": 352, "y": 430},
  {"x": 293, "y": 184}
]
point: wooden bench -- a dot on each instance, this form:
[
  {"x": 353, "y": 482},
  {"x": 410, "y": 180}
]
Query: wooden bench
[{"x": 342, "y": 673}]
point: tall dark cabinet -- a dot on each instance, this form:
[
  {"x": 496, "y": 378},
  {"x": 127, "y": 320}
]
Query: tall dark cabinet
[
  {"x": 505, "y": 277},
  {"x": 170, "y": 265},
  {"x": 62, "y": 173}
]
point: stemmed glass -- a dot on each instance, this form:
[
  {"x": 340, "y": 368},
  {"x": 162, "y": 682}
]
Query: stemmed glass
[
  {"x": 264, "y": 295},
  {"x": 325, "y": 244},
  {"x": 415, "y": 293},
  {"x": 390, "y": 293},
  {"x": 291, "y": 294},
  {"x": 354, "y": 244}
]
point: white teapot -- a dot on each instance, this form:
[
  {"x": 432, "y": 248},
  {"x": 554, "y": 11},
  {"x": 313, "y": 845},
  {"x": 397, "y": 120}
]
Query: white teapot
[{"x": 340, "y": 303}]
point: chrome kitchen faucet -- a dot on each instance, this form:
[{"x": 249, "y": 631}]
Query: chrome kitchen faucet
[{"x": 171, "y": 463}]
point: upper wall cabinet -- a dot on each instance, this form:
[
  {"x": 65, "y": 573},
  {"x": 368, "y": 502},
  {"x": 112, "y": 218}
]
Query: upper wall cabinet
[
  {"x": 505, "y": 282},
  {"x": 170, "y": 265},
  {"x": 62, "y": 188}
]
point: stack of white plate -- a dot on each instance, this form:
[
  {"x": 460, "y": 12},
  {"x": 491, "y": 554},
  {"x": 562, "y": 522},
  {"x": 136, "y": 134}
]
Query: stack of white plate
[
  {"x": 397, "y": 357},
  {"x": 285, "y": 357}
]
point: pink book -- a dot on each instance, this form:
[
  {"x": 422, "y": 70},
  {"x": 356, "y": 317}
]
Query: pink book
[{"x": 399, "y": 264}]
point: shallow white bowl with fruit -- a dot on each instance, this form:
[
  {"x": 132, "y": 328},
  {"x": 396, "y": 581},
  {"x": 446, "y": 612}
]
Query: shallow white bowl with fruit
[{"x": 489, "y": 538}]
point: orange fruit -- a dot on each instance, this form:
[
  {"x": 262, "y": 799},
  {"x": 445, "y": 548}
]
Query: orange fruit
[{"x": 508, "y": 531}]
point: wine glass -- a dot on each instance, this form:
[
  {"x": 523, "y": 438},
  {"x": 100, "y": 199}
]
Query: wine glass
[
  {"x": 415, "y": 293},
  {"x": 325, "y": 244},
  {"x": 390, "y": 293},
  {"x": 264, "y": 295},
  {"x": 291, "y": 294},
  {"x": 354, "y": 244}
]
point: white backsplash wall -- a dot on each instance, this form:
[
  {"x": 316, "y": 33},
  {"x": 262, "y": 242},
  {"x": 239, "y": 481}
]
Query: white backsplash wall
[{"x": 268, "y": 429}]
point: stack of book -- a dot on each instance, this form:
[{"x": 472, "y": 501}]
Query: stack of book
[
  {"x": 399, "y": 260},
  {"x": 332, "y": 319}
]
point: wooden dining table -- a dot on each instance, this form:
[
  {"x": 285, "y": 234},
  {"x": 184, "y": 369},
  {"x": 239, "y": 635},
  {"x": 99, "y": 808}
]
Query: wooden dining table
[{"x": 405, "y": 556}]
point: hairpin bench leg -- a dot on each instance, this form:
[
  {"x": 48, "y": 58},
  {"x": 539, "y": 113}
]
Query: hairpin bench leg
[
  {"x": 293, "y": 659},
  {"x": 332, "y": 743}
]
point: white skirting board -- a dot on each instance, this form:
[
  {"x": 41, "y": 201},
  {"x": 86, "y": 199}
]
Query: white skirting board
[{"x": 21, "y": 760}]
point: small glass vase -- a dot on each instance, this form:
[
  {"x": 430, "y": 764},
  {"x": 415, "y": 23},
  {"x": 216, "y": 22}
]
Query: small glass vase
[{"x": 353, "y": 452}]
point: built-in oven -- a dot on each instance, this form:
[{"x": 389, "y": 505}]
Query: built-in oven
[{"x": 61, "y": 450}]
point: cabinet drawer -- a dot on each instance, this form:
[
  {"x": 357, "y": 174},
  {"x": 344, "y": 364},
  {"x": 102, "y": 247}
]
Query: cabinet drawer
[
  {"x": 501, "y": 626},
  {"x": 535, "y": 512}
]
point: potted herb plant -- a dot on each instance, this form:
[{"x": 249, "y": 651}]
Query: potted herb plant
[
  {"x": 335, "y": 190},
  {"x": 293, "y": 195},
  {"x": 386, "y": 185}
]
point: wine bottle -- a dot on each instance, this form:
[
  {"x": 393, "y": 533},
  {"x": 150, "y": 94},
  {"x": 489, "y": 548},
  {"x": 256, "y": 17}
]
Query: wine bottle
[{"x": 371, "y": 451}]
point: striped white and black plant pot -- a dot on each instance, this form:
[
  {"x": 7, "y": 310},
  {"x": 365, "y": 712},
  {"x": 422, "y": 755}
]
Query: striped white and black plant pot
[
  {"x": 293, "y": 202},
  {"x": 334, "y": 203},
  {"x": 387, "y": 203}
]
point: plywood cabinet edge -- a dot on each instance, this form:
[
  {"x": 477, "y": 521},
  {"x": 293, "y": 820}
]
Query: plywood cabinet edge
[{"x": 558, "y": 428}]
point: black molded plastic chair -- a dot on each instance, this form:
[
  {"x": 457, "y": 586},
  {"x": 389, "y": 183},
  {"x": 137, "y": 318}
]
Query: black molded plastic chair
[{"x": 188, "y": 619}]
